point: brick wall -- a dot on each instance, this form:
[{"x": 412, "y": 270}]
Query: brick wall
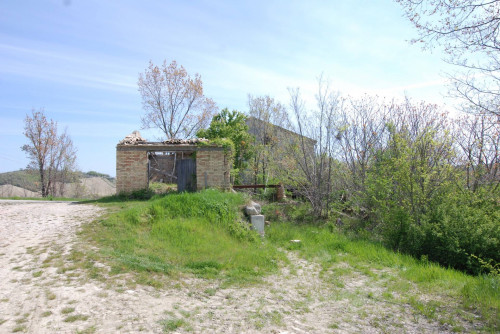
[
  {"x": 212, "y": 169},
  {"x": 131, "y": 169},
  {"x": 212, "y": 166}
]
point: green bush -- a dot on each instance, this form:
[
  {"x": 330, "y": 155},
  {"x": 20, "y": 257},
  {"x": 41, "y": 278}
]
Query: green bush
[
  {"x": 419, "y": 205},
  {"x": 449, "y": 229},
  {"x": 460, "y": 227}
]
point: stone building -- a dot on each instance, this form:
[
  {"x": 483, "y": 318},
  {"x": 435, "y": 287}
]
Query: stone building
[
  {"x": 279, "y": 152},
  {"x": 193, "y": 164},
  {"x": 269, "y": 134}
]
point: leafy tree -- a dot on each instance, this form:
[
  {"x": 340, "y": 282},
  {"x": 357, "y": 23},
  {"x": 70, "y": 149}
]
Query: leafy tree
[
  {"x": 231, "y": 125},
  {"x": 174, "y": 101},
  {"x": 469, "y": 32},
  {"x": 52, "y": 154},
  {"x": 408, "y": 177},
  {"x": 421, "y": 191}
]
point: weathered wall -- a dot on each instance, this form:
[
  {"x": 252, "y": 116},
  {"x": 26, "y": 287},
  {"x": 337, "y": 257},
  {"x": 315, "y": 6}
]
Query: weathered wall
[
  {"x": 131, "y": 169},
  {"x": 212, "y": 165},
  {"x": 165, "y": 164},
  {"x": 212, "y": 168}
]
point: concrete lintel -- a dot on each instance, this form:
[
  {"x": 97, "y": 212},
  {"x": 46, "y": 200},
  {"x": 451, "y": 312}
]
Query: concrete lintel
[{"x": 153, "y": 147}]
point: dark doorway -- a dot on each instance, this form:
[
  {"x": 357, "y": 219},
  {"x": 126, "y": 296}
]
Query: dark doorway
[
  {"x": 186, "y": 175},
  {"x": 171, "y": 170}
]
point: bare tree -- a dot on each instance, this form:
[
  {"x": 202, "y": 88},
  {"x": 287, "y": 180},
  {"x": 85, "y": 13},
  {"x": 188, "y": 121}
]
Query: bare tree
[
  {"x": 469, "y": 31},
  {"x": 174, "y": 101},
  {"x": 64, "y": 165},
  {"x": 314, "y": 148},
  {"x": 478, "y": 141},
  {"x": 53, "y": 155},
  {"x": 360, "y": 132}
]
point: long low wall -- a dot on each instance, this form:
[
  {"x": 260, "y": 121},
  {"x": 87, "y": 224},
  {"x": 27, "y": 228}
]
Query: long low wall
[{"x": 212, "y": 165}]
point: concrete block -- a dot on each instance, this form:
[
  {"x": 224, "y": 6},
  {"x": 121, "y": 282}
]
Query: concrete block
[
  {"x": 257, "y": 222},
  {"x": 251, "y": 210},
  {"x": 256, "y": 206}
]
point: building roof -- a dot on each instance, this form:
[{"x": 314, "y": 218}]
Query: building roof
[
  {"x": 251, "y": 119},
  {"x": 135, "y": 138}
]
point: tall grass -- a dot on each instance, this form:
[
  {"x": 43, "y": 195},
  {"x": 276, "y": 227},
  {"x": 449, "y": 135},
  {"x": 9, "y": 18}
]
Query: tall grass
[
  {"x": 201, "y": 233},
  {"x": 327, "y": 246}
]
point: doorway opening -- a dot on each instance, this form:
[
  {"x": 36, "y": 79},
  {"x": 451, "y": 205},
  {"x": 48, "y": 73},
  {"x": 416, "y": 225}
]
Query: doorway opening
[{"x": 171, "y": 171}]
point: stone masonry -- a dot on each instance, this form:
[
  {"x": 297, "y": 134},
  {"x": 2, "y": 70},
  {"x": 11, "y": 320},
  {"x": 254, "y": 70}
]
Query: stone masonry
[
  {"x": 131, "y": 169},
  {"x": 212, "y": 164},
  {"x": 212, "y": 168}
]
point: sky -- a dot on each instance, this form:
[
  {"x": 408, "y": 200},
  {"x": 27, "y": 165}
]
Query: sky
[{"x": 80, "y": 60}]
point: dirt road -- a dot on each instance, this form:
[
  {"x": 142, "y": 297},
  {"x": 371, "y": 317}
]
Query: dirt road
[{"x": 42, "y": 292}]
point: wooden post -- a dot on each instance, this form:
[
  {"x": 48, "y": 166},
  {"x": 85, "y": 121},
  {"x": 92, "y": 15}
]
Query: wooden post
[{"x": 280, "y": 192}]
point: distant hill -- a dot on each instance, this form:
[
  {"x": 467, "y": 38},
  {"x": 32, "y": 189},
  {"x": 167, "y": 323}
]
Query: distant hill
[
  {"x": 97, "y": 174},
  {"x": 8, "y": 190},
  {"x": 22, "y": 178},
  {"x": 24, "y": 183}
]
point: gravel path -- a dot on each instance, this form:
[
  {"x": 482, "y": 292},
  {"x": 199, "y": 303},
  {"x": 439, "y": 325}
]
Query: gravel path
[{"x": 40, "y": 291}]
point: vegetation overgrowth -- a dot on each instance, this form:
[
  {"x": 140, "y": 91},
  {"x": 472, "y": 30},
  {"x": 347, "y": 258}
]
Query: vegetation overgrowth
[
  {"x": 202, "y": 234},
  {"x": 231, "y": 126},
  {"x": 422, "y": 182},
  {"x": 328, "y": 244}
]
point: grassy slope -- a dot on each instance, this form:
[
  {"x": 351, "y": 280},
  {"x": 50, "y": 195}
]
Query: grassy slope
[
  {"x": 328, "y": 247},
  {"x": 200, "y": 234}
]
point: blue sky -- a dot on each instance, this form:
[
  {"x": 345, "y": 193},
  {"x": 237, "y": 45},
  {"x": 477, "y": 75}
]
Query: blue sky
[{"x": 80, "y": 60}]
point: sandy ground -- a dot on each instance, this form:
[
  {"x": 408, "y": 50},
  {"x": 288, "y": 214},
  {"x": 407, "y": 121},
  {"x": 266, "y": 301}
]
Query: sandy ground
[
  {"x": 36, "y": 296},
  {"x": 91, "y": 187},
  {"x": 8, "y": 190}
]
